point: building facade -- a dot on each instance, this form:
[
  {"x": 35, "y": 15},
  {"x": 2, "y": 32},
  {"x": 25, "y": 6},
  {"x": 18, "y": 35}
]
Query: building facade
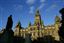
[{"x": 38, "y": 29}]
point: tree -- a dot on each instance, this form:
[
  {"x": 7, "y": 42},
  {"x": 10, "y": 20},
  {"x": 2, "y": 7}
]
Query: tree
[
  {"x": 61, "y": 29},
  {"x": 7, "y": 35}
]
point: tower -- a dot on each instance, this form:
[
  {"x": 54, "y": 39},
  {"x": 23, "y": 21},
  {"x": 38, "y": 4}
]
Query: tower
[
  {"x": 37, "y": 18},
  {"x": 57, "y": 22},
  {"x": 17, "y": 30},
  {"x": 38, "y": 22},
  {"x": 57, "y": 25}
]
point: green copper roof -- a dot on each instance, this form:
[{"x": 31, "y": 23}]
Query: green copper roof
[
  {"x": 37, "y": 13},
  {"x": 18, "y": 25}
]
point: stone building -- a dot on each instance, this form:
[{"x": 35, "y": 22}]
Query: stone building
[{"x": 38, "y": 29}]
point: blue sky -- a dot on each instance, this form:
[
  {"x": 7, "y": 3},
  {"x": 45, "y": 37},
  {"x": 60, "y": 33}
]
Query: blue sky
[{"x": 24, "y": 11}]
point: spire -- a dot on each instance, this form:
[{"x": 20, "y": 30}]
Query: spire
[
  {"x": 57, "y": 19},
  {"x": 37, "y": 18},
  {"x": 18, "y": 25},
  {"x": 29, "y": 24},
  {"x": 37, "y": 13},
  {"x": 42, "y": 22}
]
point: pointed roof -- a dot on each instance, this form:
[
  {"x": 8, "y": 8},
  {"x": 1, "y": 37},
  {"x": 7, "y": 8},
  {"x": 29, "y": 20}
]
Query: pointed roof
[
  {"x": 29, "y": 24},
  {"x": 42, "y": 22},
  {"x": 57, "y": 19},
  {"x": 18, "y": 25},
  {"x": 37, "y": 13}
]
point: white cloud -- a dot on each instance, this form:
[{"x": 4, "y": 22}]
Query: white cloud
[
  {"x": 30, "y": 2},
  {"x": 31, "y": 11},
  {"x": 51, "y": 7},
  {"x": 18, "y": 7},
  {"x": 42, "y": 0},
  {"x": 41, "y": 6}
]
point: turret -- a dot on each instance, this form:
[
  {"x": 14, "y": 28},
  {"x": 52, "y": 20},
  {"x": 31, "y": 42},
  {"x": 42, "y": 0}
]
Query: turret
[
  {"x": 57, "y": 25},
  {"x": 57, "y": 22},
  {"x": 37, "y": 18},
  {"x": 18, "y": 25},
  {"x": 57, "y": 19},
  {"x": 42, "y": 24},
  {"x": 29, "y": 24},
  {"x": 17, "y": 29}
]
